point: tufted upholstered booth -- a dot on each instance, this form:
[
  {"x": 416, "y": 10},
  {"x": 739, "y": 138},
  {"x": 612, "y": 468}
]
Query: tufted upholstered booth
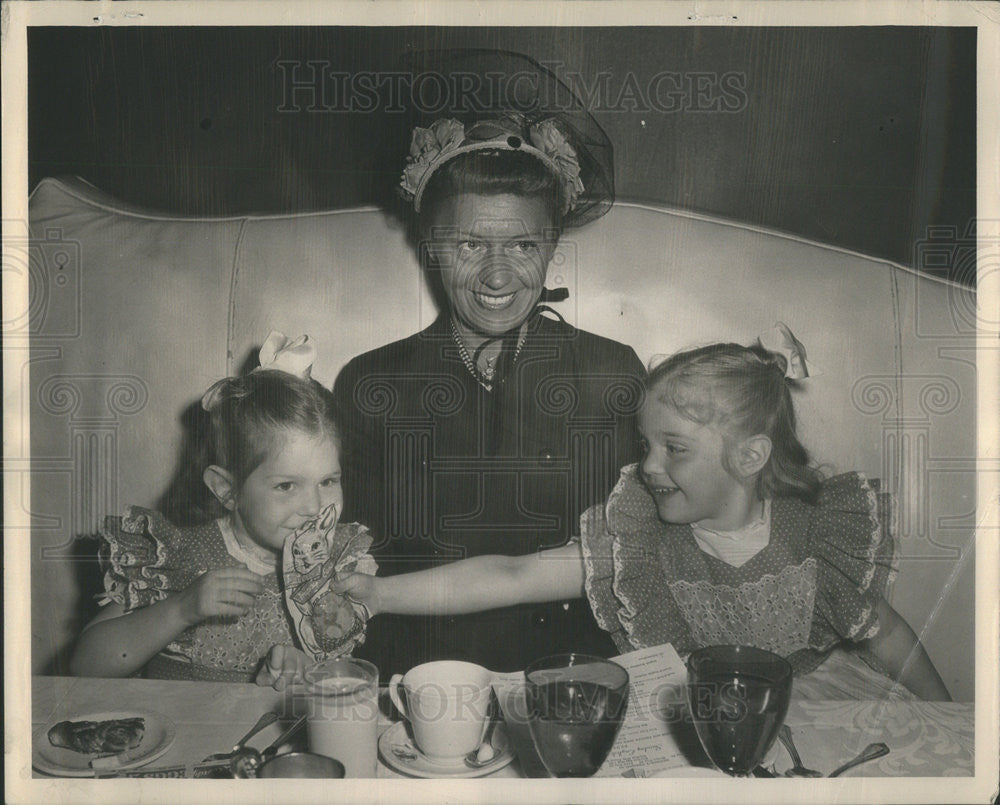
[{"x": 152, "y": 308}]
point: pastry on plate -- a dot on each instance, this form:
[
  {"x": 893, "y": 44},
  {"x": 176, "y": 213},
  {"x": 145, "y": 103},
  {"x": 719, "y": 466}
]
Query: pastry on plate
[{"x": 98, "y": 737}]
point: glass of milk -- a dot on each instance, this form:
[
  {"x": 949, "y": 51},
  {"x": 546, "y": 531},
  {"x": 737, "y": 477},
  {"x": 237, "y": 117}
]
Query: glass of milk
[{"x": 342, "y": 713}]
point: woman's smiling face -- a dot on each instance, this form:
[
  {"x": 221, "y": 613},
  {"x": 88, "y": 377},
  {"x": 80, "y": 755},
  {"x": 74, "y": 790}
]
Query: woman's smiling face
[{"x": 492, "y": 252}]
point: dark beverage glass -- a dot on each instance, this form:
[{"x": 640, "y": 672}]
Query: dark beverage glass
[
  {"x": 738, "y": 697},
  {"x": 576, "y": 704}
]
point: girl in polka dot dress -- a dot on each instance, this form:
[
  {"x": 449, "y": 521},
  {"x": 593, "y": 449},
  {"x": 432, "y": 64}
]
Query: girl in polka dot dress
[
  {"x": 723, "y": 533},
  {"x": 205, "y": 602}
]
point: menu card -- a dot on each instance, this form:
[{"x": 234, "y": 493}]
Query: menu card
[{"x": 649, "y": 740}]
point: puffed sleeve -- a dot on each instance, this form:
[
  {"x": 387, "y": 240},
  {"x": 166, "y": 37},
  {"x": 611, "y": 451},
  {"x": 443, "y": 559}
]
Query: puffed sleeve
[
  {"x": 597, "y": 546},
  {"x": 625, "y": 575},
  {"x": 139, "y": 556},
  {"x": 850, "y": 534}
]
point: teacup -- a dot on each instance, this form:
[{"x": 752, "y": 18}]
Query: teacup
[{"x": 446, "y": 703}]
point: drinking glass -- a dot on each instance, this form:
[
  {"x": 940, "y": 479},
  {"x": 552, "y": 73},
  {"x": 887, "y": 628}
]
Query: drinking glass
[
  {"x": 738, "y": 697},
  {"x": 342, "y": 699},
  {"x": 576, "y": 704}
]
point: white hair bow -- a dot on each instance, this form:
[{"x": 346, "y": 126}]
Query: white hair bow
[
  {"x": 292, "y": 355},
  {"x": 279, "y": 352},
  {"x": 781, "y": 341}
]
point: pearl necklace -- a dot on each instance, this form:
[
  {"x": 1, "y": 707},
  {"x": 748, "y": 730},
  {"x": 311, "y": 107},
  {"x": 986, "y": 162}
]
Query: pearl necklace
[{"x": 483, "y": 376}]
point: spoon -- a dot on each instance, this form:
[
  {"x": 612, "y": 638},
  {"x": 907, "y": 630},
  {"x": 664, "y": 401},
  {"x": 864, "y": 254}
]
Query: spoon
[
  {"x": 264, "y": 721},
  {"x": 403, "y": 753},
  {"x": 797, "y": 770},
  {"x": 870, "y": 752},
  {"x": 245, "y": 762},
  {"x": 485, "y": 753}
]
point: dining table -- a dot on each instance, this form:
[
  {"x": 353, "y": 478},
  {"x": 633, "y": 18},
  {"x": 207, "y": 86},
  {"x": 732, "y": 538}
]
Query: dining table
[{"x": 926, "y": 739}]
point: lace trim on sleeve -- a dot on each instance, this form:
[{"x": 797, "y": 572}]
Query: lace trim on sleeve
[
  {"x": 646, "y": 611},
  {"x": 867, "y": 626},
  {"x": 855, "y": 523},
  {"x": 595, "y": 581},
  {"x": 632, "y": 607},
  {"x": 877, "y": 507},
  {"x": 134, "y": 557}
]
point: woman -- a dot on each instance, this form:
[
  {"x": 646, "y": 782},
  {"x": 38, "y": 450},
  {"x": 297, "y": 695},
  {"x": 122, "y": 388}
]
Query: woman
[{"x": 494, "y": 428}]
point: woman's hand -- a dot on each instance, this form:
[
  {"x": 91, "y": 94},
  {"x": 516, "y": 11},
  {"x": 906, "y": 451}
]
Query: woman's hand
[
  {"x": 282, "y": 665},
  {"x": 226, "y": 591},
  {"x": 360, "y": 588}
]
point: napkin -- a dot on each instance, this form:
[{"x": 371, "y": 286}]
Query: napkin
[{"x": 327, "y": 624}]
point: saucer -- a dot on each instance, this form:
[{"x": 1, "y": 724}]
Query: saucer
[{"x": 420, "y": 765}]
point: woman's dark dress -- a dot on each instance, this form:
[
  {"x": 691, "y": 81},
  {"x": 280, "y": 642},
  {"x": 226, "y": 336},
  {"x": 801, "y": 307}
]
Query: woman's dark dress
[{"x": 441, "y": 469}]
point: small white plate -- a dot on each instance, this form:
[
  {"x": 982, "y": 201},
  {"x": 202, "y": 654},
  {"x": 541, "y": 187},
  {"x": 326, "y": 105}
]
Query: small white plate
[
  {"x": 157, "y": 738},
  {"x": 420, "y": 766}
]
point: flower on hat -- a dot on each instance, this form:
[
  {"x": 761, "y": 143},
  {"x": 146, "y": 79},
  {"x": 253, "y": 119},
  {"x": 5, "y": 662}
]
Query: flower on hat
[
  {"x": 432, "y": 147},
  {"x": 548, "y": 139},
  {"x": 426, "y": 149}
]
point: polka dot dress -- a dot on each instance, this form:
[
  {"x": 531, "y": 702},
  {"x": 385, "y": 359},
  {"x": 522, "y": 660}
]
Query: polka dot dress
[
  {"x": 146, "y": 558},
  {"x": 815, "y": 584}
]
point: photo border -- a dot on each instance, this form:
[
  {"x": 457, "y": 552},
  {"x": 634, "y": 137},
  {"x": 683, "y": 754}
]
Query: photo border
[{"x": 16, "y": 17}]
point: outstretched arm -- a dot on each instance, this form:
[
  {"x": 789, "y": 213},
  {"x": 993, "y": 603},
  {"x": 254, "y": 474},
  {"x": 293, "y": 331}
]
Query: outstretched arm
[
  {"x": 899, "y": 649},
  {"x": 472, "y": 585}
]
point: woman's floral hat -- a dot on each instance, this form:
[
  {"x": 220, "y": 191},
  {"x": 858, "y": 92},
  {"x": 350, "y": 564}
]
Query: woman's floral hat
[
  {"x": 447, "y": 138},
  {"x": 505, "y": 101}
]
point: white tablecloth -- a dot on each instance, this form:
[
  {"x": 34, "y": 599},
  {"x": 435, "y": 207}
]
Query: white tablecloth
[
  {"x": 210, "y": 716},
  {"x": 927, "y": 739}
]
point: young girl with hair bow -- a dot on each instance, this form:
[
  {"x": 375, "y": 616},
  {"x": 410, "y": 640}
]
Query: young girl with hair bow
[
  {"x": 722, "y": 534},
  {"x": 204, "y": 602}
]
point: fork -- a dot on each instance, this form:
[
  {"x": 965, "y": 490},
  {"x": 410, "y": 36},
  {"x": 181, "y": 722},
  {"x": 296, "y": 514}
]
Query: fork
[
  {"x": 264, "y": 721},
  {"x": 870, "y": 752}
]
